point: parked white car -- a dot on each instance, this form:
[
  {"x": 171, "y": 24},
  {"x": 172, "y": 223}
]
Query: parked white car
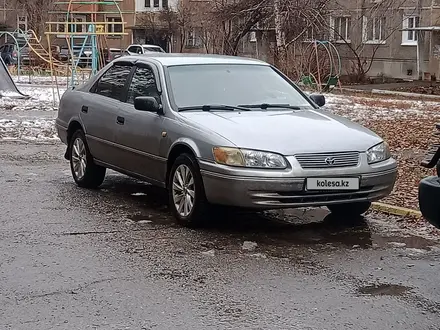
[{"x": 139, "y": 49}]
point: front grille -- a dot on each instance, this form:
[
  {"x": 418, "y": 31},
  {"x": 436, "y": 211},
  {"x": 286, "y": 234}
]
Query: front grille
[{"x": 328, "y": 160}]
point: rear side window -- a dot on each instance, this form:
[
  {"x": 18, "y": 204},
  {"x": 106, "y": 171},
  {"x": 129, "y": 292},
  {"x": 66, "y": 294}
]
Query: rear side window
[
  {"x": 143, "y": 84},
  {"x": 112, "y": 83}
]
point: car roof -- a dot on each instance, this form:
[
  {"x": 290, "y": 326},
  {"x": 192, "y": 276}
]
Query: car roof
[{"x": 171, "y": 59}]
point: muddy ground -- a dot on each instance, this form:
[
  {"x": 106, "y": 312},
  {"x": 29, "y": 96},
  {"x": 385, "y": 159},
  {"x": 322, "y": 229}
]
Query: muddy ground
[{"x": 114, "y": 259}]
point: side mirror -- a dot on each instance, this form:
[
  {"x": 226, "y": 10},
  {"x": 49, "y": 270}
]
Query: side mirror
[
  {"x": 319, "y": 99},
  {"x": 146, "y": 103}
]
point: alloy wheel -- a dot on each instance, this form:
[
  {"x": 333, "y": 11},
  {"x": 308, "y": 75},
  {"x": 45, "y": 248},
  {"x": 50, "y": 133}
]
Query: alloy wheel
[
  {"x": 183, "y": 190},
  {"x": 79, "y": 158}
]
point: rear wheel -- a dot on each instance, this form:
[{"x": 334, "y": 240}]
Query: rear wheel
[
  {"x": 357, "y": 208},
  {"x": 186, "y": 193},
  {"x": 84, "y": 170}
]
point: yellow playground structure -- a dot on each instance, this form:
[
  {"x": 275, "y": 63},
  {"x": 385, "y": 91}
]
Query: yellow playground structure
[{"x": 84, "y": 27}]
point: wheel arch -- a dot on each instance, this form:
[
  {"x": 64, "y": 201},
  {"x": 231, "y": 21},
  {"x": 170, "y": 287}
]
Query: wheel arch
[
  {"x": 74, "y": 125},
  {"x": 177, "y": 149}
]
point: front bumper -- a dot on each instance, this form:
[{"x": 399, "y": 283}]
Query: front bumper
[{"x": 287, "y": 190}]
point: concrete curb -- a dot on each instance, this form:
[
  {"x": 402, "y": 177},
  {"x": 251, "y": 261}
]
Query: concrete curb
[
  {"x": 415, "y": 95},
  {"x": 387, "y": 92},
  {"x": 395, "y": 210}
]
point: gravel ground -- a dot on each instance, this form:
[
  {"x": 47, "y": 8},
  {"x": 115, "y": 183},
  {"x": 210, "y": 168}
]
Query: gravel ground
[{"x": 113, "y": 258}]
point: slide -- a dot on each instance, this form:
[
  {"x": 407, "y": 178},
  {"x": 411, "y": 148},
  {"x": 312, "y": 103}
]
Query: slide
[{"x": 7, "y": 85}]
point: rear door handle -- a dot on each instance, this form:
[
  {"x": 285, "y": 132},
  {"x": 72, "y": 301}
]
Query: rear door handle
[
  {"x": 85, "y": 109},
  {"x": 120, "y": 120}
]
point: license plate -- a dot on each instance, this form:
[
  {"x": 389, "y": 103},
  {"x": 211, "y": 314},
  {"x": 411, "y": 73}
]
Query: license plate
[{"x": 332, "y": 184}]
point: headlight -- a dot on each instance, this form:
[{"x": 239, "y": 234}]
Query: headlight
[
  {"x": 378, "y": 153},
  {"x": 248, "y": 158}
]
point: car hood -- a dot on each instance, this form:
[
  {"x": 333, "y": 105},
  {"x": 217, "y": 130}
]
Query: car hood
[{"x": 286, "y": 132}]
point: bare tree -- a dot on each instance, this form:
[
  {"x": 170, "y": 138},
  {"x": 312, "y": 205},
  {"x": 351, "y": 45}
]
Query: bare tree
[
  {"x": 37, "y": 12},
  {"x": 236, "y": 19},
  {"x": 293, "y": 19}
]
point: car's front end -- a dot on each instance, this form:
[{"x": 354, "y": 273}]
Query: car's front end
[
  {"x": 308, "y": 179},
  {"x": 283, "y": 151}
]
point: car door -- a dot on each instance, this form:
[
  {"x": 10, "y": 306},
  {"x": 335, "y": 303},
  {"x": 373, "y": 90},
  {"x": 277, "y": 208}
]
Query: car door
[
  {"x": 140, "y": 136},
  {"x": 100, "y": 110}
]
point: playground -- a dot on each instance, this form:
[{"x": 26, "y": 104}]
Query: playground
[{"x": 73, "y": 48}]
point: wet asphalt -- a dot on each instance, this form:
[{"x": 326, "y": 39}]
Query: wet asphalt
[{"x": 114, "y": 259}]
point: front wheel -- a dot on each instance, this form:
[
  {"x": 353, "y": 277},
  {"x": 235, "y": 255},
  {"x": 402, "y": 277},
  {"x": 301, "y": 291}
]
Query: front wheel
[
  {"x": 186, "y": 193},
  {"x": 84, "y": 170},
  {"x": 357, "y": 208}
]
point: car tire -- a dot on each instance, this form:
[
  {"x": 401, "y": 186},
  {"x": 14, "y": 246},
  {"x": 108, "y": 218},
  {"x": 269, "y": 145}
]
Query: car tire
[
  {"x": 352, "y": 209},
  {"x": 429, "y": 196},
  {"x": 84, "y": 170},
  {"x": 186, "y": 192}
]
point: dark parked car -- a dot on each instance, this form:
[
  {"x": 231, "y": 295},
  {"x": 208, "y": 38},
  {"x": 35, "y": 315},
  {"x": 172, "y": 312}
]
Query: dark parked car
[
  {"x": 9, "y": 53},
  {"x": 429, "y": 187}
]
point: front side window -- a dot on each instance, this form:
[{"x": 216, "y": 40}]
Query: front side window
[
  {"x": 143, "y": 84},
  {"x": 112, "y": 83},
  {"x": 230, "y": 84}
]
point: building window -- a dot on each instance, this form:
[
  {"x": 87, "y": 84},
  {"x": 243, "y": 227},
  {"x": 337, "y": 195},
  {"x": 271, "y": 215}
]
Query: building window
[
  {"x": 193, "y": 38},
  {"x": 374, "y": 30},
  {"x": 410, "y": 37},
  {"x": 79, "y": 28},
  {"x": 341, "y": 28},
  {"x": 157, "y": 4},
  {"x": 22, "y": 23},
  {"x": 114, "y": 25}
]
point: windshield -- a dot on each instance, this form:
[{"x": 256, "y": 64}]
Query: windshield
[{"x": 231, "y": 84}]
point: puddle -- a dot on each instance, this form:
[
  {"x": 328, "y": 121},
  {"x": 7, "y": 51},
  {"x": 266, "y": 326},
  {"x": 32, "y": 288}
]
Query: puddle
[
  {"x": 403, "y": 242},
  {"x": 383, "y": 290},
  {"x": 151, "y": 219},
  {"x": 280, "y": 229}
]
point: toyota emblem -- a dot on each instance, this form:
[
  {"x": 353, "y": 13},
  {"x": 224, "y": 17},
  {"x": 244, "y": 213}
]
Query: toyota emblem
[{"x": 329, "y": 161}]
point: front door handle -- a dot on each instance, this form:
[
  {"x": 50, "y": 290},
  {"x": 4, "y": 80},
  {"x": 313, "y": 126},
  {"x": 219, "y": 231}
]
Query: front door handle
[
  {"x": 120, "y": 120},
  {"x": 85, "y": 109}
]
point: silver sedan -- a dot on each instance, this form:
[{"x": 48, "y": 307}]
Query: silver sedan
[{"x": 220, "y": 130}]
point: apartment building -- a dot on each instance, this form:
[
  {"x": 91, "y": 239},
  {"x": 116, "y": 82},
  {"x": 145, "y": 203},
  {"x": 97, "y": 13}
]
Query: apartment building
[
  {"x": 13, "y": 16},
  {"x": 397, "y": 38}
]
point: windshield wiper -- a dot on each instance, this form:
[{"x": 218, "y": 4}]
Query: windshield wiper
[
  {"x": 209, "y": 107},
  {"x": 265, "y": 106}
]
